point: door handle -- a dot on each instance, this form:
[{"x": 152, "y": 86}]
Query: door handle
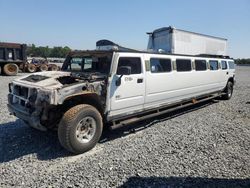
[
  {"x": 139, "y": 80},
  {"x": 227, "y": 72}
]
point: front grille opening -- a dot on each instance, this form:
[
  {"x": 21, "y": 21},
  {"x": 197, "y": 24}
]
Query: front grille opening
[{"x": 21, "y": 91}]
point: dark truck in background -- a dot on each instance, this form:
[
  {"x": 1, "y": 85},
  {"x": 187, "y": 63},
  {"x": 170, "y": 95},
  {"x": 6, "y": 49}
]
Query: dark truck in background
[{"x": 12, "y": 55}]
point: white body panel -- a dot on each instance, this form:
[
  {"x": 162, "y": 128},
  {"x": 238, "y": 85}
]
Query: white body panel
[
  {"x": 183, "y": 42},
  {"x": 158, "y": 89},
  {"x": 129, "y": 96}
]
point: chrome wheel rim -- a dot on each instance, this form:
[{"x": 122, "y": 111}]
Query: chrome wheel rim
[{"x": 85, "y": 129}]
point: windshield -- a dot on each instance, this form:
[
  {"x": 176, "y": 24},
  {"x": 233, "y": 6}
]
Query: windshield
[{"x": 88, "y": 64}]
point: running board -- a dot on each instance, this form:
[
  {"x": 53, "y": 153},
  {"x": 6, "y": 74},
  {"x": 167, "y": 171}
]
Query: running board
[{"x": 160, "y": 111}]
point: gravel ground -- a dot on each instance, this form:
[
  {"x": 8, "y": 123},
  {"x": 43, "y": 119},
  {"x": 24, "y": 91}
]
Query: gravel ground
[{"x": 204, "y": 146}]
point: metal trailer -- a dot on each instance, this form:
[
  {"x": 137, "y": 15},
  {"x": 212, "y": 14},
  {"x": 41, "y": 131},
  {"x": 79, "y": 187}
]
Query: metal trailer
[
  {"x": 177, "y": 41},
  {"x": 11, "y": 56}
]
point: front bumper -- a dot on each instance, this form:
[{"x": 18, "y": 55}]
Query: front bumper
[{"x": 32, "y": 119}]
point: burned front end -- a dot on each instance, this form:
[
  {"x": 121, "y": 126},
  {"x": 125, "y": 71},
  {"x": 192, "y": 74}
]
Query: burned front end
[
  {"x": 29, "y": 103},
  {"x": 40, "y": 99}
]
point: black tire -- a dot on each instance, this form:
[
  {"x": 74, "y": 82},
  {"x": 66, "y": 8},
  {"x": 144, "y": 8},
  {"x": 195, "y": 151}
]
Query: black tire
[
  {"x": 43, "y": 67},
  {"x": 31, "y": 68},
  {"x": 10, "y": 69},
  {"x": 0, "y": 69},
  {"x": 68, "y": 132},
  {"x": 53, "y": 67},
  {"x": 228, "y": 91}
]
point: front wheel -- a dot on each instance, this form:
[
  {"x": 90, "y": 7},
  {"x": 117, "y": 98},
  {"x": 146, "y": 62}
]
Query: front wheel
[
  {"x": 80, "y": 128},
  {"x": 228, "y": 91}
]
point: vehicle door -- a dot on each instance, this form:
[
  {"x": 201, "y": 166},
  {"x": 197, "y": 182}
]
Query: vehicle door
[
  {"x": 225, "y": 72},
  {"x": 127, "y": 91},
  {"x": 214, "y": 75}
]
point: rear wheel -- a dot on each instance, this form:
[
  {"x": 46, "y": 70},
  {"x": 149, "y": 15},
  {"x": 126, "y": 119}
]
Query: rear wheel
[
  {"x": 228, "y": 91},
  {"x": 31, "y": 68},
  {"x": 43, "y": 67},
  {"x": 53, "y": 67},
  {"x": 10, "y": 69},
  {"x": 80, "y": 128}
]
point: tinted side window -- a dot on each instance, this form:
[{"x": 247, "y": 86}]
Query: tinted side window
[
  {"x": 183, "y": 65},
  {"x": 213, "y": 65},
  {"x": 160, "y": 65},
  {"x": 133, "y": 62},
  {"x": 200, "y": 65},
  {"x": 231, "y": 65},
  {"x": 223, "y": 65}
]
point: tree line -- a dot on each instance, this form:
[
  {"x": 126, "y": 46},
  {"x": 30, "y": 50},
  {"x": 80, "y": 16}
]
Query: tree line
[
  {"x": 45, "y": 52},
  {"x": 242, "y": 61}
]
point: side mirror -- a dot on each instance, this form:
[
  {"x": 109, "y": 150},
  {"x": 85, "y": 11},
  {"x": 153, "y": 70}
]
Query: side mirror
[{"x": 123, "y": 70}]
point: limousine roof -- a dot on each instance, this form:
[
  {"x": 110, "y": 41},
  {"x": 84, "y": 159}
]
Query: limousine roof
[{"x": 100, "y": 53}]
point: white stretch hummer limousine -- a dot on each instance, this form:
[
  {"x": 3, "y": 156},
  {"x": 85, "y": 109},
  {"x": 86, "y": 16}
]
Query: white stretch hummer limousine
[{"x": 115, "y": 87}]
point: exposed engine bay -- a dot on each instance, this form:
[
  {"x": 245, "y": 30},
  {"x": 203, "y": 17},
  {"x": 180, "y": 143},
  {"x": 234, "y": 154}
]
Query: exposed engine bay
[{"x": 80, "y": 77}]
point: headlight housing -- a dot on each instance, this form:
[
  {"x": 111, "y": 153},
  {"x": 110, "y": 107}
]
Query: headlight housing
[{"x": 10, "y": 87}]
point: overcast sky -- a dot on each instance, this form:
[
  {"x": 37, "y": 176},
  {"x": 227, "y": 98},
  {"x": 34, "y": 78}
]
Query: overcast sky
[{"x": 80, "y": 23}]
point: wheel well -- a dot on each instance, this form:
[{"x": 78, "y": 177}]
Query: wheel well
[
  {"x": 231, "y": 80},
  {"x": 56, "y": 112},
  {"x": 89, "y": 98}
]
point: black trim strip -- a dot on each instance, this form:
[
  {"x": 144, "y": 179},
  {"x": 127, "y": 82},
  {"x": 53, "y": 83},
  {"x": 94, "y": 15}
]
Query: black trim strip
[{"x": 158, "y": 112}]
